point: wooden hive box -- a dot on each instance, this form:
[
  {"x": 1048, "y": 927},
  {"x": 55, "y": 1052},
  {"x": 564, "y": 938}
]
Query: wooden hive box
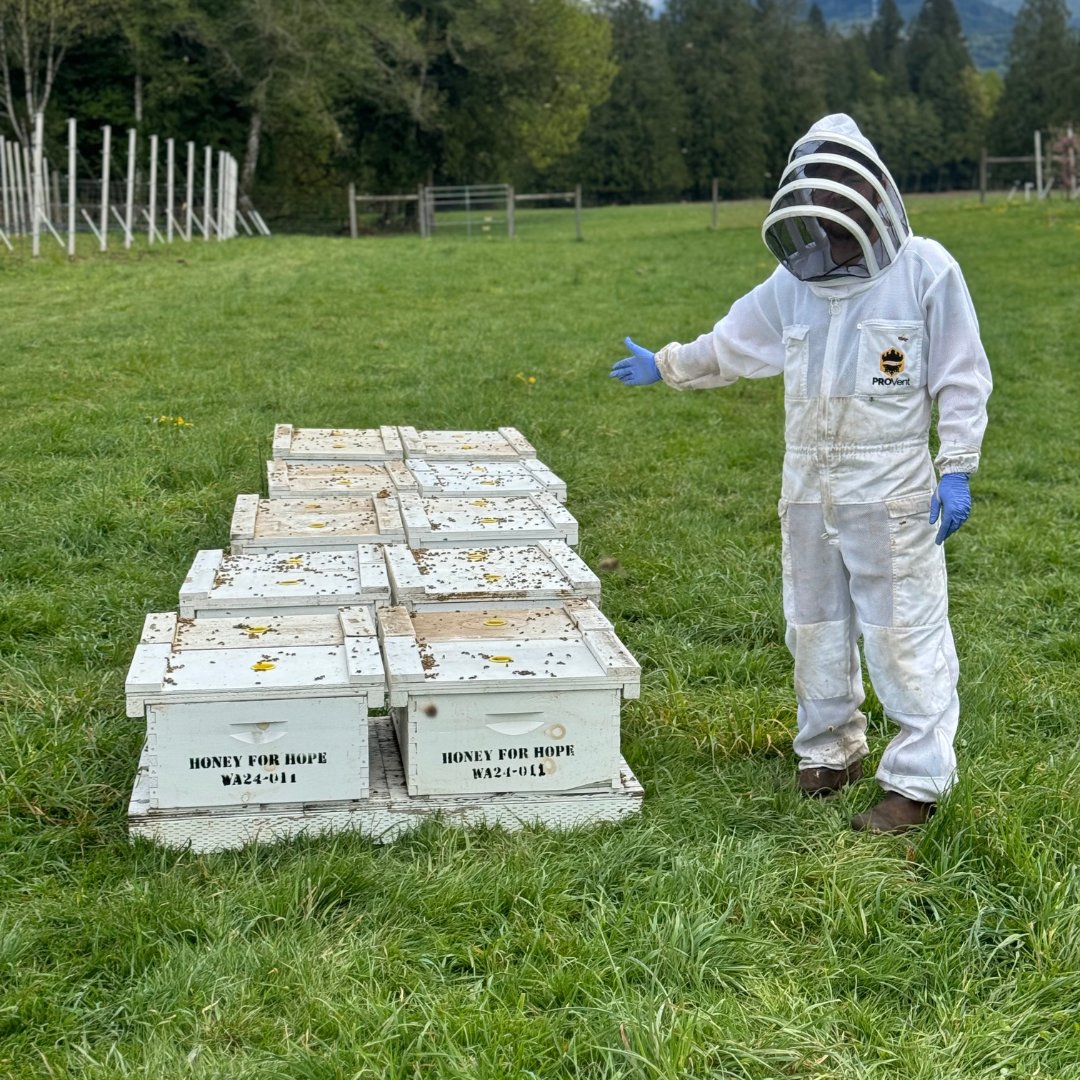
[
  {"x": 388, "y": 812},
  {"x": 511, "y": 700},
  {"x": 503, "y": 444},
  {"x": 512, "y": 575},
  {"x": 316, "y": 480},
  {"x": 314, "y": 524},
  {"x": 244, "y": 714},
  {"x": 284, "y": 583},
  {"x": 336, "y": 445},
  {"x": 444, "y": 521},
  {"x": 474, "y": 479}
]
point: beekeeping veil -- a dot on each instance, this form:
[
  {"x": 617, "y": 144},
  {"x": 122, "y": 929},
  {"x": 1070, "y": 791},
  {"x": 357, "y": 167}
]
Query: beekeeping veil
[{"x": 837, "y": 214}]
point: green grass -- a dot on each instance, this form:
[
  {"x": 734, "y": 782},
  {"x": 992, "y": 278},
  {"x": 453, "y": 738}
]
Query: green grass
[{"x": 730, "y": 930}]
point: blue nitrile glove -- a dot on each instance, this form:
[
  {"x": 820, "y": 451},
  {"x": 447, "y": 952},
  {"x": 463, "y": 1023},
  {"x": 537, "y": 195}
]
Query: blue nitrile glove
[
  {"x": 952, "y": 501},
  {"x": 637, "y": 370}
]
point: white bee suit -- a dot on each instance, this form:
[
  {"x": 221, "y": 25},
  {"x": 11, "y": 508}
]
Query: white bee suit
[{"x": 863, "y": 361}]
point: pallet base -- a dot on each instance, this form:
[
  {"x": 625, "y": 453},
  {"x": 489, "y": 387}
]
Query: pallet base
[{"x": 388, "y": 813}]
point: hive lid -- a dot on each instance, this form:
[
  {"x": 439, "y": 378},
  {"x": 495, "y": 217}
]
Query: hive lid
[
  {"x": 546, "y": 570},
  {"x": 336, "y": 444},
  {"x": 444, "y": 520},
  {"x": 305, "y": 524},
  {"x": 213, "y": 658},
  {"x": 503, "y": 443},
  {"x": 525, "y": 476},
  {"x": 311, "y": 479},
  {"x": 285, "y": 579},
  {"x": 569, "y": 645}
]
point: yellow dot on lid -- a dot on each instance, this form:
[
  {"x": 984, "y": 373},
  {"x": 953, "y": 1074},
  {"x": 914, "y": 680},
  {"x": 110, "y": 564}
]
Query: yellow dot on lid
[
  {"x": 290, "y": 581},
  {"x": 263, "y": 665},
  {"x": 501, "y": 659},
  {"x": 294, "y": 560},
  {"x": 316, "y": 524},
  {"x": 479, "y": 502},
  {"x": 467, "y": 446},
  {"x": 489, "y": 521},
  {"x": 312, "y": 506},
  {"x": 488, "y": 483},
  {"x": 476, "y": 556},
  {"x": 256, "y": 631},
  {"x": 493, "y": 577},
  {"x": 494, "y": 622}
]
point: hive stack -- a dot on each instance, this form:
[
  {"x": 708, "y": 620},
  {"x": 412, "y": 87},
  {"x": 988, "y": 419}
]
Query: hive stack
[{"x": 432, "y": 572}]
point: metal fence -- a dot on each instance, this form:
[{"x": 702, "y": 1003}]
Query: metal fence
[{"x": 469, "y": 210}]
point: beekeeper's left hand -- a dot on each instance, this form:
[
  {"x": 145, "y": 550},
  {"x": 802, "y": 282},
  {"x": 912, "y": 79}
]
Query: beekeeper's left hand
[{"x": 952, "y": 501}]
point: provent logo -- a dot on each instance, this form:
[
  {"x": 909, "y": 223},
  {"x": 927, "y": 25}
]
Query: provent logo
[{"x": 892, "y": 362}]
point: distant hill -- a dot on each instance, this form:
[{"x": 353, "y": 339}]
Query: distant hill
[{"x": 987, "y": 23}]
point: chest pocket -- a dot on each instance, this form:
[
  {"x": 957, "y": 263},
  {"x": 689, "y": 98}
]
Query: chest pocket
[
  {"x": 891, "y": 358},
  {"x": 796, "y": 360}
]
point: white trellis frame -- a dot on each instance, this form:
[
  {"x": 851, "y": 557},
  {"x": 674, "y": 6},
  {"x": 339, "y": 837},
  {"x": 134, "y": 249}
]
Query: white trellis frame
[{"x": 35, "y": 198}]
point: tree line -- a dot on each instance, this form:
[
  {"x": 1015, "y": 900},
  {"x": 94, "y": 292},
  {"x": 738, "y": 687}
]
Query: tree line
[{"x": 632, "y": 103}]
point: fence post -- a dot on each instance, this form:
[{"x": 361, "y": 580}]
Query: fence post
[
  {"x": 715, "y": 199},
  {"x": 353, "y": 232},
  {"x": 983, "y": 173},
  {"x": 1070, "y": 156},
  {"x": 71, "y": 188},
  {"x": 106, "y": 149},
  {"x": 152, "y": 199},
  {"x": 1038, "y": 165},
  {"x": 170, "y": 187},
  {"x": 189, "y": 192},
  {"x": 129, "y": 209},
  {"x": 577, "y": 210},
  {"x": 208, "y": 168},
  {"x": 510, "y": 211},
  {"x": 35, "y": 184}
]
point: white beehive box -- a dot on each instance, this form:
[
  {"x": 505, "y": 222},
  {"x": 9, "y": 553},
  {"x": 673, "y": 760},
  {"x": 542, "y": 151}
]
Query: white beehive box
[
  {"x": 513, "y": 700},
  {"x": 314, "y": 524},
  {"x": 526, "y": 476},
  {"x": 444, "y": 521},
  {"x": 244, "y": 713},
  {"x": 335, "y": 445},
  {"x": 503, "y": 444},
  {"x": 307, "y": 480},
  {"x": 386, "y": 814},
  {"x": 284, "y": 583},
  {"x": 513, "y": 575}
]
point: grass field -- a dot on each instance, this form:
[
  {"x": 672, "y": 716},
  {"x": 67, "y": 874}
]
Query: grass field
[{"x": 730, "y": 930}]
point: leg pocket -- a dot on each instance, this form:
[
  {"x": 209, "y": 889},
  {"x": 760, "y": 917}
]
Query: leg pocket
[{"x": 918, "y": 564}]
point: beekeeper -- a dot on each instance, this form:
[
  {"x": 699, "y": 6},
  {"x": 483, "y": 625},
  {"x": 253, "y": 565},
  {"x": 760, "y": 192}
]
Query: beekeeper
[{"x": 870, "y": 327}]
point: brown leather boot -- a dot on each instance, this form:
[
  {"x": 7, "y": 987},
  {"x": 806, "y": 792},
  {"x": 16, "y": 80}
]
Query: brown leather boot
[
  {"x": 894, "y": 814},
  {"x": 821, "y": 783}
]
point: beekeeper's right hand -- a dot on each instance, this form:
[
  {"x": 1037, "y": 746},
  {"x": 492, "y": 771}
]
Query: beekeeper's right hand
[{"x": 637, "y": 370}]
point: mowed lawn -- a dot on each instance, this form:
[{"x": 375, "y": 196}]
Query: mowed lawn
[{"x": 729, "y": 930}]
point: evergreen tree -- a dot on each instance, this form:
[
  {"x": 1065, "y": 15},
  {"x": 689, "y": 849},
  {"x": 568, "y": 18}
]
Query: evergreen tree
[
  {"x": 937, "y": 59},
  {"x": 793, "y": 70},
  {"x": 1041, "y": 81},
  {"x": 885, "y": 44},
  {"x": 714, "y": 57},
  {"x": 631, "y": 149}
]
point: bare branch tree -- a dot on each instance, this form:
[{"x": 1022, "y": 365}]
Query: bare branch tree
[{"x": 35, "y": 35}]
